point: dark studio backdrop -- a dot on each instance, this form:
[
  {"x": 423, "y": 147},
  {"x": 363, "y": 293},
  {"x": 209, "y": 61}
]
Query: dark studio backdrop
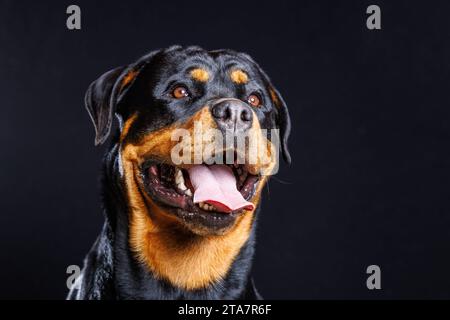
[{"x": 370, "y": 143}]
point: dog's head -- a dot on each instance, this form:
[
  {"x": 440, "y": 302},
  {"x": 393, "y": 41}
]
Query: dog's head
[{"x": 182, "y": 113}]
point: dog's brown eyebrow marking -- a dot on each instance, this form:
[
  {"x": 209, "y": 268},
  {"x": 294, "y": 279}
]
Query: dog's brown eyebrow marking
[
  {"x": 200, "y": 74},
  {"x": 238, "y": 76}
]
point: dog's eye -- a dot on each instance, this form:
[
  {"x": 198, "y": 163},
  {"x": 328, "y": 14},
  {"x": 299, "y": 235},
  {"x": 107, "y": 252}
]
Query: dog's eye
[
  {"x": 180, "y": 92},
  {"x": 254, "y": 100}
]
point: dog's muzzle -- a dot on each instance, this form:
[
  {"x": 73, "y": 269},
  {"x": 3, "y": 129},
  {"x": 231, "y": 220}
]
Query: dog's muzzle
[{"x": 232, "y": 115}]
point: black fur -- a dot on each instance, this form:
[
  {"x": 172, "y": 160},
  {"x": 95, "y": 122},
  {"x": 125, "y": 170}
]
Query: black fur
[{"x": 110, "y": 269}]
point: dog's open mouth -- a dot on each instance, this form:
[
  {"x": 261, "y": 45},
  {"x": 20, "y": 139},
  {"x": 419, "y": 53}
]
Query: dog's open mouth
[{"x": 216, "y": 190}]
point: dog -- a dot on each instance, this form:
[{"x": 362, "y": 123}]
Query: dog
[{"x": 180, "y": 231}]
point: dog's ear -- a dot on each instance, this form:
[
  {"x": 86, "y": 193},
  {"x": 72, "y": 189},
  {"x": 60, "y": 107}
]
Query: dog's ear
[
  {"x": 284, "y": 121},
  {"x": 104, "y": 94}
]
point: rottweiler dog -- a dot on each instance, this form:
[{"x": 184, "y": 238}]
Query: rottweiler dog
[{"x": 179, "y": 229}]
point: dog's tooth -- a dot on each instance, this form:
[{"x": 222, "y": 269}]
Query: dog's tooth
[
  {"x": 182, "y": 186},
  {"x": 179, "y": 180},
  {"x": 188, "y": 192},
  {"x": 204, "y": 206},
  {"x": 178, "y": 175}
]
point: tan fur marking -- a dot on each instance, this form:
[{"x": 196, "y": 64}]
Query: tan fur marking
[
  {"x": 127, "y": 126},
  {"x": 200, "y": 74},
  {"x": 260, "y": 165},
  {"x": 158, "y": 239},
  {"x": 239, "y": 77},
  {"x": 128, "y": 78},
  {"x": 274, "y": 97}
]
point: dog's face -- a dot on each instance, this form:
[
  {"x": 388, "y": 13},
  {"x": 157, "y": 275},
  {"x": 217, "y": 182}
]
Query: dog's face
[
  {"x": 171, "y": 104},
  {"x": 194, "y": 90}
]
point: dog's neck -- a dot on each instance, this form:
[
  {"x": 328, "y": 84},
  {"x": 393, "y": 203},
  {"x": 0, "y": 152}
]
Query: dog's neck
[{"x": 134, "y": 277}]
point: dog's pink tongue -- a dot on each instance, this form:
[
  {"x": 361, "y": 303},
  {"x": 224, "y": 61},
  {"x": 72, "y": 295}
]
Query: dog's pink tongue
[{"x": 216, "y": 185}]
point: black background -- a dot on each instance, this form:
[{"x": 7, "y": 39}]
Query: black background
[{"x": 370, "y": 176}]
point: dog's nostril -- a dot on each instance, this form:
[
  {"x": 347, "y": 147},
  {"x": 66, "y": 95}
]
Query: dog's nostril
[
  {"x": 221, "y": 111},
  {"x": 227, "y": 113},
  {"x": 246, "y": 115}
]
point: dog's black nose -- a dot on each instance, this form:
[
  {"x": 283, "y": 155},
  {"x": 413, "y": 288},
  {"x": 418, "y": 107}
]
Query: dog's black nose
[{"x": 232, "y": 114}]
